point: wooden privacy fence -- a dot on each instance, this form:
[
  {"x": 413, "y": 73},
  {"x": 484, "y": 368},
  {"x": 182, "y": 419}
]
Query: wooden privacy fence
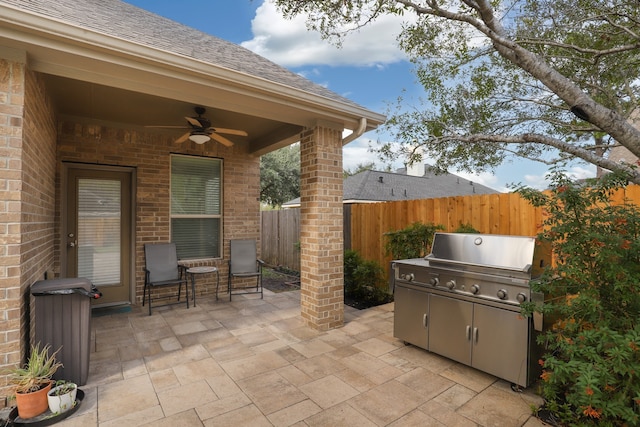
[
  {"x": 506, "y": 214},
  {"x": 365, "y": 223},
  {"x": 280, "y": 238}
]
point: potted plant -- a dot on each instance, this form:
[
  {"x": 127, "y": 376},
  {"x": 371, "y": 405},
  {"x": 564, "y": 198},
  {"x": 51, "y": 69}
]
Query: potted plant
[
  {"x": 62, "y": 396},
  {"x": 33, "y": 381}
]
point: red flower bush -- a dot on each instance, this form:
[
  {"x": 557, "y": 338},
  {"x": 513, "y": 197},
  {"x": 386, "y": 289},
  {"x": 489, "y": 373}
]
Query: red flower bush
[{"x": 592, "y": 303}]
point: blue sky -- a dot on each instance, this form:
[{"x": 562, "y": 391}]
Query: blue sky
[{"x": 369, "y": 69}]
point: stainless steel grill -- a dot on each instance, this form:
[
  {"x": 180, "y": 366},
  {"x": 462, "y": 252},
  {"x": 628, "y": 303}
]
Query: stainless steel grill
[{"x": 463, "y": 301}]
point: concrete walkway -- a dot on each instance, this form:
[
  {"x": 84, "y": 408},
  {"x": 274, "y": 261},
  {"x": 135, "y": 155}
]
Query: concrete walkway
[{"x": 252, "y": 362}]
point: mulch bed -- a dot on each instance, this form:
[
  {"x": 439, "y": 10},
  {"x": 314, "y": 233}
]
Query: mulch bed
[{"x": 279, "y": 281}]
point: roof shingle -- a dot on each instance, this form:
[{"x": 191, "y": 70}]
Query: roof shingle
[{"x": 118, "y": 19}]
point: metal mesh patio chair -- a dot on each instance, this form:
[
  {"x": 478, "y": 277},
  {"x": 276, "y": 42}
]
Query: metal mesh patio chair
[
  {"x": 162, "y": 270},
  {"x": 244, "y": 263}
]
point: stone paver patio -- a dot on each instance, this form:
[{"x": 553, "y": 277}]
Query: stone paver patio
[{"x": 252, "y": 362}]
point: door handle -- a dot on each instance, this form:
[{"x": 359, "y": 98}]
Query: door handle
[
  {"x": 468, "y": 333},
  {"x": 475, "y": 335},
  {"x": 424, "y": 320},
  {"x": 73, "y": 244}
]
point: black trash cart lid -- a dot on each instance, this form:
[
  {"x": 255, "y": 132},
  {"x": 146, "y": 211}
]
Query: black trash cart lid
[{"x": 77, "y": 285}]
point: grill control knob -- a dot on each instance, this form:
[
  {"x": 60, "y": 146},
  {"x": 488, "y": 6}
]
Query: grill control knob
[
  {"x": 475, "y": 289},
  {"x": 502, "y": 294},
  {"x": 451, "y": 284},
  {"x": 410, "y": 277},
  {"x": 434, "y": 281},
  {"x": 521, "y": 297}
]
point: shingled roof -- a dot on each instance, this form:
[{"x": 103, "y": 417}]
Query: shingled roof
[
  {"x": 121, "y": 20},
  {"x": 375, "y": 186}
]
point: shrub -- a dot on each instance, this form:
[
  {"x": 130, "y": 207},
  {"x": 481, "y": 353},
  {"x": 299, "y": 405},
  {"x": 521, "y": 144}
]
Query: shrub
[
  {"x": 364, "y": 280},
  {"x": 413, "y": 241},
  {"x": 465, "y": 228},
  {"x": 591, "y": 365}
]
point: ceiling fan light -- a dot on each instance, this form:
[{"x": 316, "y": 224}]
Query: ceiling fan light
[{"x": 199, "y": 138}]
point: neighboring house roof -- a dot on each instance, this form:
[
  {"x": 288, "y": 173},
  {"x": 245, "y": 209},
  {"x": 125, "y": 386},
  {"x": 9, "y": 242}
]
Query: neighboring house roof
[{"x": 375, "y": 186}]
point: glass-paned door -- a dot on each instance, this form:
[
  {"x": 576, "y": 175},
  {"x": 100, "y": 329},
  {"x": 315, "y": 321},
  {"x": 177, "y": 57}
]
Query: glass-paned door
[{"x": 98, "y": 232}]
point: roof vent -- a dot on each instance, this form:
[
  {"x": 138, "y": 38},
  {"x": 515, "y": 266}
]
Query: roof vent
[{"x": 380, "y": 179}]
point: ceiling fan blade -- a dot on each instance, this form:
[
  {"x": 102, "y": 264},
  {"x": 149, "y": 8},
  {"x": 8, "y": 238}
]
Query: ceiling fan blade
[
  {"x": 167, "y": 127},
  {"x": 194, "y": 122},
  {"x": 183, "y": 138},
  {"x": 221, "y": 139},
  {"x": 228, "y": 131}
]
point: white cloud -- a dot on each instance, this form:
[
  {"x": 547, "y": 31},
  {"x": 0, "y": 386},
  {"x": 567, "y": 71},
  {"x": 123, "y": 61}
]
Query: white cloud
[
  {"x": 578, "y": 172},
  {"x": 541, "y": 182},
  {"x": 357, "y": 153},
  {"x": 290, "y": 44}
]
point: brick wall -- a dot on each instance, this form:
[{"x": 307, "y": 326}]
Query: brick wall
[
  {"x": 149, "y": 153},
  {"x": 27, "y": 165},
  {"x": 321, "y": 225},
  {"x": 38, "y": 189}
]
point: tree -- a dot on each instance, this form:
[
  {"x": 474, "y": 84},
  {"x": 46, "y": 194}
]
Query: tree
[
  {"x": 541, "y": 79},
  {"x": 280, "y": 175}
]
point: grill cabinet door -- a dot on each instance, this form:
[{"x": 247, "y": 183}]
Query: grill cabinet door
[
  {"x": 411, "y": 310},
  {"x": 500, "y": 339},
  {"x": 450, "y": 328}
]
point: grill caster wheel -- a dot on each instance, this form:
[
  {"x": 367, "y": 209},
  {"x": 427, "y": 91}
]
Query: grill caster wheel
[{"x": 517, "y": 388}]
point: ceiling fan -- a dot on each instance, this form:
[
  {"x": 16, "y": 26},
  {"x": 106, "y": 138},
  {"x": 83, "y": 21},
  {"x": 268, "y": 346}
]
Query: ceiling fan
[{"x": 201, "y": 131}]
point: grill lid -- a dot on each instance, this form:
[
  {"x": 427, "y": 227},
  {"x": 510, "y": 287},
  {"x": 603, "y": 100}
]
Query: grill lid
[{"x": 515, "y": 254}]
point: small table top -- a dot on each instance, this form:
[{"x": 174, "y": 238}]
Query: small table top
[{"x": 200, "y": 270}]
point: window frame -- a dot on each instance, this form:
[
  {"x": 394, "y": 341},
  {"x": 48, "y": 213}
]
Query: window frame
[{"x": 219, "y": 216}]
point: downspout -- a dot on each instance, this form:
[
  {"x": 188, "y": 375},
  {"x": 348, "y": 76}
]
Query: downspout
[{"x": 356, "y": 133}]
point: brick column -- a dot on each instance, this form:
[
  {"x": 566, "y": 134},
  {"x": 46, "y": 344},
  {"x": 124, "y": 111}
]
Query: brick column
[
  {"x": 12, "y": 318},
  {"x": 321, "y": 238}
]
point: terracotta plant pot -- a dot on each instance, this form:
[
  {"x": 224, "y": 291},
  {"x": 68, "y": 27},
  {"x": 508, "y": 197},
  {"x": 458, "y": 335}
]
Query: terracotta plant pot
[{"x": 32, "y": 404}]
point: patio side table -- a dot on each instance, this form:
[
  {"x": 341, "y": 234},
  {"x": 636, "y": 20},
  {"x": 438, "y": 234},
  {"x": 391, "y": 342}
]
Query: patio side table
[{"x": 202, "y": 270}]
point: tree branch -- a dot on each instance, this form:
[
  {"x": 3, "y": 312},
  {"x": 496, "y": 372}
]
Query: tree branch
[
  {"x": 590, "y": 51},
  {"x": 528, "y": 138},
  {"x": 604, "y": 118}
]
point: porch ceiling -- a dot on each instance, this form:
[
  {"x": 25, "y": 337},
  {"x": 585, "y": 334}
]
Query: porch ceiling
[{"x": 85, "y": 101}]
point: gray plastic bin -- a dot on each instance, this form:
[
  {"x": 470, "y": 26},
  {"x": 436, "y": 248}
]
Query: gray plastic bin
[{"x": 63, "y": 319}]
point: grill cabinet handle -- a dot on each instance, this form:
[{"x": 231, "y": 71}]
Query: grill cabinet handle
[
  {"x": 468, "y": 333},
  {"x": 475, "y": 335},
  {"x": 424, "y": 320}
]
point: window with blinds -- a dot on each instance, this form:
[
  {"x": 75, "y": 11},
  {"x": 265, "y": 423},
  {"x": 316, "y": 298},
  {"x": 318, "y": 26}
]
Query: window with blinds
[{"x": 196, "y": 206}]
